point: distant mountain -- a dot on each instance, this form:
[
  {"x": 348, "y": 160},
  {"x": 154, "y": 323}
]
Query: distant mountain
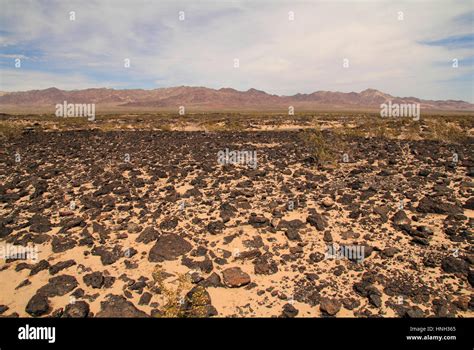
[{"x": 212, "y": 99}]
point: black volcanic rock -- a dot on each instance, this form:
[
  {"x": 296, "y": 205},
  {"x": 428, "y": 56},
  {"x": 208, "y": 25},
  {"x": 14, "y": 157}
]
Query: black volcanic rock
[
  {"x": 318, "y": 221},
  {"x": 38, "y": 305},
  {"x": 58, "y": 286},
  {"x": 78, "y": 309},
  {"x": 451, "y": 264},
  {"x": 118, "y": 306},
  {"x": 169, "y": 247},
  {"x": 429, "y": 205}
]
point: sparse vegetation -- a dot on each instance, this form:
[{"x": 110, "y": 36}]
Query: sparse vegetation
[
  {"x": 174, "y": 298},
  {"x": 442, "y": 130},
  {"x": 320, "y": 151},
  {"x": 177, "y": 303},
  {"x": 8, "y": 129}
]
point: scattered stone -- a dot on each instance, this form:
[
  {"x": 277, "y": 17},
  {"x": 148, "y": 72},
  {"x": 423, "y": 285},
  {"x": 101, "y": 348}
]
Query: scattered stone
[
  {"x": 401, "y": 218},
  {"x": 3, "y": 308},
  {"x": 289, "y": 311},
  {"x": 215, "y": 227},
  {"x": 39, "y": 224},
  {"x": 328, "y": 202},
  {"x": 118, "y": 306},
  {"x": 420, "y": 241},
  {"x": 375, "y": 300},
  {"x": 4, "y": 230},
  {"x": 316, "y": 257},
  {"x": 318, "y": 221},
  {"x": 78, "y": 309},
  {"x": 413, "y": 312},
  {"x": 327, "y": 237},
  {"x": 390, "y": 252},
  {"x": 451, "y": 264},
  {"x": 169, "y": 247},
  {"x": 145, "y": 299},
  {"x": 235, "y": 277},
  {"x": 197, "y": 303},
  {"x": 258, "y": 221},
  {"x": 58, "y": 286},
  {"x": 292, "y": 235},
  {"x": 61, "y": 244},
  {"x": 148, "y": 235},
  {"x": 23, "y": 284},
  {"x": 470, "y": 278},
  {"x": 213, "y": 280},
  {"x": 169, "y": 224},
  {"x": 107, "y": 257},
  {"x": 40, "y": 266},
  {"x": 54, "y": 269},
  {"x": 330, "y": 306},
  {"x": 429, "y": 205},
  {"x": 469, "y": 204},
  {"x": 94, "y": 279},
  {"x": 133, "y": 227},
  {"x": 265, "y": 266},
  {"x": 38, "y": 305}
]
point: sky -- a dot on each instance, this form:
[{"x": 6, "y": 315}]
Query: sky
[{"x": 282, "y": 47}]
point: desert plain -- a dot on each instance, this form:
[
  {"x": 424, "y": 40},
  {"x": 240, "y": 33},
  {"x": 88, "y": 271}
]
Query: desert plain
[{"x": 132, "y": 215}]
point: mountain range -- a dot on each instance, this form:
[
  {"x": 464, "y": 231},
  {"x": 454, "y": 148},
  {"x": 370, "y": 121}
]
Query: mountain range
[{"x": 202, "y": 98}]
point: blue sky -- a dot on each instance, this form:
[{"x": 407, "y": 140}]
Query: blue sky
[{"x": 409, "y": 57}]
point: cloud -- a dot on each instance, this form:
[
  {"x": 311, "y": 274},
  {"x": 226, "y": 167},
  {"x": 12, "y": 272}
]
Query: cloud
[
  {"x": 412, "y": 57},
  {"x": 453, "y": 42}
]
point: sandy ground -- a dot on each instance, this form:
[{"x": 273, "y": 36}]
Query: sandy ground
[{"x": 427, "y": 277}]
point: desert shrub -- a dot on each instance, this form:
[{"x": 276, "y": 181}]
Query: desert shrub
[
  {"x": 347, "y": 132},
  {"x": 177, "y": 304},
  {"x": 412, "y": 130},
  {"x": 233, "y": 125},
  {"x": 444, "y": 131},
  {"x": 8, "y": 129},
  {"x": 174, "y": 299},
  {"x": 466, "y": 123},
  {"x": 317, "y": 146},
  {"x": 379, "y": 128}
]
